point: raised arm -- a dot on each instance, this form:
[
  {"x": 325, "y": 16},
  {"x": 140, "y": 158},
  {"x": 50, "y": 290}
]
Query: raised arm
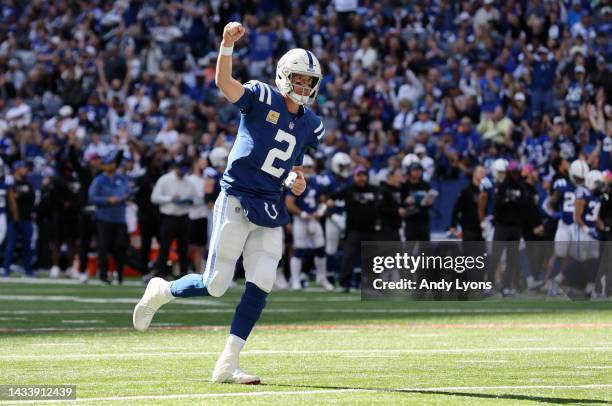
[{"x": 230, "y": 87}]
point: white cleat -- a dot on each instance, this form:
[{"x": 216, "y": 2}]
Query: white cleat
[
  {"x": 55, "y": 272},
  {"x": 156, "y": 294},
  {"x": 227, "y": 374},
  {"x": 325, "y": 284}
]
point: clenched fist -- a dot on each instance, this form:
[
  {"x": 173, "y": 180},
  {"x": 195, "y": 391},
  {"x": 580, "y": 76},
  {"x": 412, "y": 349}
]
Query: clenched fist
[
  {"x": 232, "y": 32},
  {"x": 299, "y": 184}
]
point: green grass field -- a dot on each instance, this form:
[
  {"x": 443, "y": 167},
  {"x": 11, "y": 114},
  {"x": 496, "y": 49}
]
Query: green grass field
[{"x": 308, "y": 348}]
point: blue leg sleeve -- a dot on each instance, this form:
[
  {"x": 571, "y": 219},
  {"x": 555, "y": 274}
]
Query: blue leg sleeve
[{"x": 248, "y": 311}]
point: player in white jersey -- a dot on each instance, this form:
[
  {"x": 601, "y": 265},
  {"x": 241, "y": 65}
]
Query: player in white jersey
[
  {"x": 335, "y": 222},
  {"x": 307, "y": 210},
  {"x": 561, "y": 205}
]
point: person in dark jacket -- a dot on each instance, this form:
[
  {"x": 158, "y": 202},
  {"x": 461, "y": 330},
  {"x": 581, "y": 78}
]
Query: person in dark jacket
[
  {"x": 536, "y": 253},
  {"x": 148, "y": 212},
  {"x": 510, "y": 210},
  {"x": 65, "y": 201},
  {"x": 417, "y": 197},
  {"x": 391, "y": 209},
  {"x": 465, "y": 210},
  {"x": 109, "y": 192},
  {"x": 362, "y": 224},
  {"x": 20, "y": 224},
  {"x": 87, "y": 216}
]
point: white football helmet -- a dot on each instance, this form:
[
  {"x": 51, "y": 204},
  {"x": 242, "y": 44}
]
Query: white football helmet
[
  {"x": 408, "y": 160},
  {"x": 578, "y": 171},
  {"x": 302, "y": 62},
  {"x": 499, "y": 169},
  {"x": 341, "y": 164},
  {"x": 308, "y": 165},
  {"x": 593, "y": 179},
  {"x": 218, "y": 157}
]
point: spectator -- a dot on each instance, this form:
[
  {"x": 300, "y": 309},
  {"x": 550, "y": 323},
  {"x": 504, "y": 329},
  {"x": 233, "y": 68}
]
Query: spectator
[
  {"x": 21, "y": 224},
  {"x": 175, "y": 195},
  {"x": 465, "y": 210},
  {"x": 109, "y": 192},
  {"x": 361, "y": 201},
  {"x": 417, "y": 198},
  {"x": 391, "y": 209}
]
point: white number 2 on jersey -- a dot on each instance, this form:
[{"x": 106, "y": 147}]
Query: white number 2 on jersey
[{"x": 276, "y": 153}]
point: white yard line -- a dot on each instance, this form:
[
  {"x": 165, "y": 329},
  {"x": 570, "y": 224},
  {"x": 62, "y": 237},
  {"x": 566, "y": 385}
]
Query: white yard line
[
  {"x": 315, "y": 392},
  {"x": 594, "y": 367},
  {"x": 480, "y": 361},
  {"x": 82, "y": 321},
  {"x": 230, "y": 308},
  {"x": 104, "y": 300},
  {"x": 307, "y": 352}
]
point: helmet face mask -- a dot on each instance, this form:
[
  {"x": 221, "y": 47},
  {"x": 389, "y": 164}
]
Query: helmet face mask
[
  {"x": 594, "y": 180},
  {"x": 298, "y": 62},
  {"x": 498, "y": 169},
  {"x": 308, "y": 166},
  {"x": 341, "y": 164},
  {"x": 578, "y": 172}
]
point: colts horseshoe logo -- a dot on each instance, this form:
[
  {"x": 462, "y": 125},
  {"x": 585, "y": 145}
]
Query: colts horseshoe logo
[{"x": 268, "y": 211}]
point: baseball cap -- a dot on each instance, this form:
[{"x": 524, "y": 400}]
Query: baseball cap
[
  {"x": 18, "y": 164},
  {"x": 520, "y": 96},
  {"x": 514, "y": 167},
  {"x": 419, "y": 149},
  {"x": 184, "y": 166},
  {"x": 65, "y": 111},
  {"x": 359, "y": 169},
  {"x": 109, "y": 158}
]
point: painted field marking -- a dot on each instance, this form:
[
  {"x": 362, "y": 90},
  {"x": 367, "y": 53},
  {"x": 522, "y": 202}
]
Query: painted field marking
[
  {"x": 594, "y": 367},
  {"x": 103, "y": 300},
  {"x": 308, "y": 352},
  {"x": 83, "y": 321},
  {"x": 316, "y": 392}
]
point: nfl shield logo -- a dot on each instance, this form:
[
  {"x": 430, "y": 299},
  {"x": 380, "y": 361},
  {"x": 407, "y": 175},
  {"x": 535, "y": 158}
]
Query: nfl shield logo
[{"x": 291, "y": 125}]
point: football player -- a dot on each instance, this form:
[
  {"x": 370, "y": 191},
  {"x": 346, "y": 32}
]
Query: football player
[
  {"x": 561, "y": 205},
  {"x": 485, "y": 199},
  {"x": 275, "y": 129},
  {"x": 335, "y": 222},
  {"x": 307, "y": 231},
  {"x": 588, "y": 203}
]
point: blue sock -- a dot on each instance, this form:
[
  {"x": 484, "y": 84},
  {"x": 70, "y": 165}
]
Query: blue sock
[
  {"x": 191, "y": 285},
  {"x": 248, "y": 311},
  {"x": 556, "y": 267},
  {"x": 524, "y": 264}
]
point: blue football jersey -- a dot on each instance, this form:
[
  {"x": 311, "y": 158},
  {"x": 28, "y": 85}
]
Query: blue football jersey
[
  {"x": 568, "y": 199},
  {"x": 212, "y": 173},
  {"x": 487, "y": 185},
  {"x": 591, "y": 206},
  {"x": 270, "y": 141},
  {"x": 331, "y": 183},
  {"x": 309, "y": 200}
]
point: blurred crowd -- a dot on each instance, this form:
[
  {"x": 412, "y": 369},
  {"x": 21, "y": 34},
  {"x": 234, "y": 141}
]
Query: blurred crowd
[{"x": 446, "y": 85}]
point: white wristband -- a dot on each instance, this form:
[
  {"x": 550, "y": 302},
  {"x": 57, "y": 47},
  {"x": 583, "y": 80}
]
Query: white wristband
[{"x": 227, "y": 51}]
